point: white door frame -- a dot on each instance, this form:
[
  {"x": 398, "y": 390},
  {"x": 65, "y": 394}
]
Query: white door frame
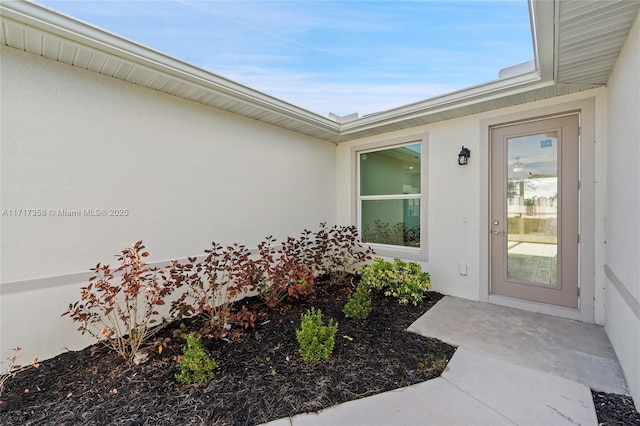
[{"x": 585, "y": 310}]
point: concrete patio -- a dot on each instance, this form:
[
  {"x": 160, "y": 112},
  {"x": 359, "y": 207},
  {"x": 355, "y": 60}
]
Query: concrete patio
[{"x": 511, "y": 368}]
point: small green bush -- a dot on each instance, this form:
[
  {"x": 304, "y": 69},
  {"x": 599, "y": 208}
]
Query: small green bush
[
  {"x": 358, "y": 306},
  {"x": 403, "y": 280},
  {"x": 316, "y": 340},
  {"x": 196, "y": 366}
]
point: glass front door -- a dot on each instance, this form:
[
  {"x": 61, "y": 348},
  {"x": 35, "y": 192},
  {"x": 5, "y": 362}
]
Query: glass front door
[{"x": 534, "y": 211}]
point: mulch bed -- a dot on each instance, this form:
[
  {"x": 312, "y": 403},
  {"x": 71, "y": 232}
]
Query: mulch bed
[
  {"x": 261, "y": 375},
  {"x": 615, "y": 410}
]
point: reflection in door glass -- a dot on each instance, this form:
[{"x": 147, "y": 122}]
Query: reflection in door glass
[{"x": 532, "y": 209}]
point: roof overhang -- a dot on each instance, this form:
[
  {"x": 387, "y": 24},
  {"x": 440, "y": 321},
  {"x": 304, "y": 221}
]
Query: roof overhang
[
  {"x": 571, "y": 54},
  {"x": 41, "y": 31}
]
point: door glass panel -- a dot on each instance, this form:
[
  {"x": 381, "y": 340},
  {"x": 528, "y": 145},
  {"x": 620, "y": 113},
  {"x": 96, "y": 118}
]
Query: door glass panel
[{"x": 532, "y": 209}]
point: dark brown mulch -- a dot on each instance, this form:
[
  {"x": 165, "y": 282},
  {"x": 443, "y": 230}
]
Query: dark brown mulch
[
  {"x": 261, "y": 376},
  {"x": 615, "y": 410}
]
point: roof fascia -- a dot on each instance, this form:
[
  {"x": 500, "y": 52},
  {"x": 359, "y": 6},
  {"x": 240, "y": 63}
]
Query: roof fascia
[
  {"x": 544, "y": 17},
  {"x": 63, "y": 26},
  {"x": 543, "y": 27},
  {"x": 474, "y": 95}
]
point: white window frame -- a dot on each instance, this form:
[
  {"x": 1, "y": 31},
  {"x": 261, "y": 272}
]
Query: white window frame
[{"x": 387, "y": 250}]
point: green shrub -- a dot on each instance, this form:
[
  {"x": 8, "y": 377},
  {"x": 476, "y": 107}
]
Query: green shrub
[
  {"x": 358, "y": 306},
  {"x": 403, "y": 280},
  {"x": 316, "y": 340},
  {"x": 196, "y": 366}
]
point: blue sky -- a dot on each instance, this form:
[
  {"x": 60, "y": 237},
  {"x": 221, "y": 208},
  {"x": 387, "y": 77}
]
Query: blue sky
[{"x": 329, "y": 56}]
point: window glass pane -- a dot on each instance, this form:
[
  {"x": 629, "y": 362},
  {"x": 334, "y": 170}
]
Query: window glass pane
[
  {"x": 391, "y": 171},
  {"x": 394, "y": 222}
]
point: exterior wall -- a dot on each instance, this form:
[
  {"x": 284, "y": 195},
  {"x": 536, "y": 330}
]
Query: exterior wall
[
  {"x": 457, "y": 194},
  {"x": 622, "y": 268},
  {"x": 188, "y": 174}
]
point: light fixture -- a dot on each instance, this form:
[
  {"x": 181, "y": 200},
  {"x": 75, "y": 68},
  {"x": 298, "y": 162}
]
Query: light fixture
[
  {"x": 518, "y": 166},
  {"x": 463, "y": 157}
]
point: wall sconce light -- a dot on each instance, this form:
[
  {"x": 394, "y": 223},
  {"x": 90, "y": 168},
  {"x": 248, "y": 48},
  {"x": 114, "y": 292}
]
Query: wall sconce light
[{"x": 463, "y": 157}]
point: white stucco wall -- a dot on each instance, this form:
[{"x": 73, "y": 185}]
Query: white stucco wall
[
  {"x": 187, "y": 173},
  {"x": 454, "y": 193},
  {"x": 622, "y": 320},
  {"x": 452, "y": 219}
]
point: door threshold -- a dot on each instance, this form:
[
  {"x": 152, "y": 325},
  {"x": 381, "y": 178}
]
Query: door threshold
[{"x": 537, "y": 307}]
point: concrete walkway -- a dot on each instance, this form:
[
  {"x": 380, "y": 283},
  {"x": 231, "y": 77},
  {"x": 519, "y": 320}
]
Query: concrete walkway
[
  {"x": 575, "y": 350},
  {"x": 511, "y": 368}
]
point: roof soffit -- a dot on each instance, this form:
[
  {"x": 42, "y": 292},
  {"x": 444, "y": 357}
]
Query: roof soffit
[{"x": 562, "y": 67}]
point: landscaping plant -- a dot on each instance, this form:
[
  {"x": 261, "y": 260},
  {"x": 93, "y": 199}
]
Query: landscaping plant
[
  {"x": 195, "y": 365},
  {"x": 120, "y": 312},
  {"x": 403, "y": 280},
  {"x": 213, "y": 284},
  {"x": 342, "y": 250},
  {"x": 316, "y": 339},
  {"x": 335, "y": 250},
  {"x": 280, "y": 274},
  {"x": 245, "y": 318},
  {"x": 306, "y": 250},
  {"x": 14, "y": 368},
  {"x": 358, "y": 305}
]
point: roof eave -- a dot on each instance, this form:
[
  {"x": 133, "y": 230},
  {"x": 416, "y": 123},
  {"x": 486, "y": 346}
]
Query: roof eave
[
  {"x": 470, "y": 96},
  {"x": 24, "y": 20},
  {"x": 52, "y": 22}
]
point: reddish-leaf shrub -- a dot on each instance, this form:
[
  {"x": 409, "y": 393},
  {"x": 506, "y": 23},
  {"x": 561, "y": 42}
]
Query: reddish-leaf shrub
[
  {"x": 245, "y": 318},
  {"x": 306, "y": 250},
  {"x": 280, "y": 274},
  {"x": 14, "y": 368},
  {"x": 120, "y": 313},
  {"x": 336, "y": 250},
  {"x": 342, "y": 250},
  {"x": 213, "y": 284},
  {"x": 292, "y": 270}
]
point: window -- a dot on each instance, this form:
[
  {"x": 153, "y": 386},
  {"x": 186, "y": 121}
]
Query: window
[{"x": 390, "y": 203}]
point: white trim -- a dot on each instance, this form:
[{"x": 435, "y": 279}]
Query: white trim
[
  {"x": 625, "y": 294},
  {"x": 81, "y": 278},
  {"x": 544, "y": 30},
  {"x": 391, "y": 197},
  {"x": 586, "y": 108}
]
